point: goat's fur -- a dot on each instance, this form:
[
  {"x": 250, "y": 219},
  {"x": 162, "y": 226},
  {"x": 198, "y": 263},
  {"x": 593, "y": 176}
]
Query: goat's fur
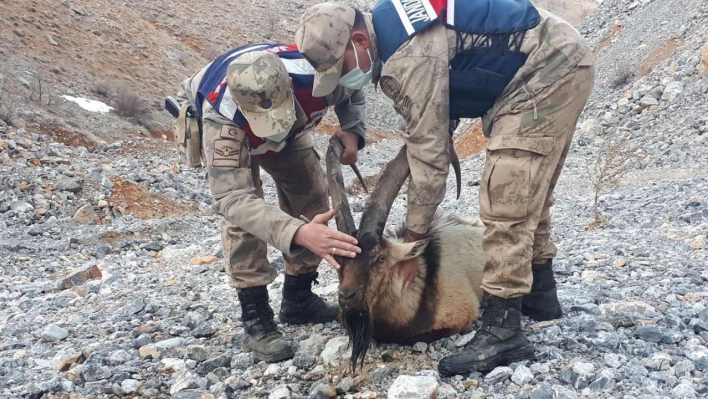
[
  {"x": 445, "y": 296},
  {"x": 443, "y": 300}
]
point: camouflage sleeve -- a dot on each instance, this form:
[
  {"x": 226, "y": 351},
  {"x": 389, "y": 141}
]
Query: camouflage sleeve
[
  {"x": 416, "y": 79},
  {"x": 184, "y": 92},
  {"x": 351, "y": 112},
  {"x": 231, "y": 182}
]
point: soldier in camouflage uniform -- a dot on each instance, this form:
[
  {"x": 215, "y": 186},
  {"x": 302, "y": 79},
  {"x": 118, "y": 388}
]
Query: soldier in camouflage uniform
[
  {"x": 528, "y": 75},
  {"x": 257, "y": 111}
]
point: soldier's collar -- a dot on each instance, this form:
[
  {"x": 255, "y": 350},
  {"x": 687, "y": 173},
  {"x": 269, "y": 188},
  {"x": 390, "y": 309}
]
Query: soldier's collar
[{"x": 373, "y": 38}]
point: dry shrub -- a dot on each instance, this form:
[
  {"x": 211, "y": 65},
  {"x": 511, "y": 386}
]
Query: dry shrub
[
  {"x": 103, "y": 89},
  {"x": 623, "y": 75},
  {"x": 272, "y": 22},
  {"x": 615, "y": 157},
  {"x": 131, "y": 106},
  {"x": 41, "y": 92},
  {"x": 8, "y": 108}
]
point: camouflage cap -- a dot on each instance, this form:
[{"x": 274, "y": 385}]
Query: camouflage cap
[
  {"x": 260, "y": 85},
  {"x": 322, "y": 38}
]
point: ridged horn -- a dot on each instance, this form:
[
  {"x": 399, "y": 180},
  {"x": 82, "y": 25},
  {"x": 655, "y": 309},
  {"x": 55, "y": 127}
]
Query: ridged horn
[
  {"x": 455, "y": 161},
  {"x": 379, "y": 203},
  {"x": 335, "y": 182}
]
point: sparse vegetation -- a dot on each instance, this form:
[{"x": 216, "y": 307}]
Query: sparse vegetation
[
  {"x": 131, "y": 106},
  {"x": 40, "y": 93},
  {"x": 8, "y": 107},
  {"x": 273, "y": 20},
  {"x": 103, "y": 89},
  {"x": 615, "y": 156},
  {"x": 623, "y": 76}
]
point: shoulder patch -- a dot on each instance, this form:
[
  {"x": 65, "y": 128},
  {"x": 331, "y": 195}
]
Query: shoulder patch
[
  {"x": 390, "y": 87},
  {"x": 404, "y": 108},
  {"x": 227, "y": 153},
  {"x": 233, "y": 133}
]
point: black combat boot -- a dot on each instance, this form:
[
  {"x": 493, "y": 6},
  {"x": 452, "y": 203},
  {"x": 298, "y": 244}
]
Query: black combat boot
[
  {"x": 498, "y": 342},
  {"x": 542, "y": 302},
  {"x": 301, "y": 306},
  {"x": 261, "y": 335}
]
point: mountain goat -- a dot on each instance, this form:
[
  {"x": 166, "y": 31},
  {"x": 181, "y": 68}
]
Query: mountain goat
[{"x": 445, "y": 295}]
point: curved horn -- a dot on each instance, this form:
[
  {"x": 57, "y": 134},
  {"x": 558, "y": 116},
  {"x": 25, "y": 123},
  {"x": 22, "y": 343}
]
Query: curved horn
[
  {"x": 455, "y": 161},
  {"x": 358, "y": 176},
  {"x": 379, "y": 203},
  {"x": 335, "y": 182}
]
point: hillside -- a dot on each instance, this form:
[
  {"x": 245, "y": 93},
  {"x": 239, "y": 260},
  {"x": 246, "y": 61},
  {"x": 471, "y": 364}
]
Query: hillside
[
  {"x": 134, "y": 53},
  {"x": 112, "y": 282}
]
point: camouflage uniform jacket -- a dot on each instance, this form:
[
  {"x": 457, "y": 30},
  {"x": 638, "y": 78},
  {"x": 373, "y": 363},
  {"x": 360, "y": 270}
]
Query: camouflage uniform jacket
[
  {"x": 415, "y": 77},
  {"x": 235, "y": 194}
]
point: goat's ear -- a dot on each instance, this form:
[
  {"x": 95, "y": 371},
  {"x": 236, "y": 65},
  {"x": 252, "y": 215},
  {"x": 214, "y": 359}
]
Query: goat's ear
[{"x": 405, "y": 251}]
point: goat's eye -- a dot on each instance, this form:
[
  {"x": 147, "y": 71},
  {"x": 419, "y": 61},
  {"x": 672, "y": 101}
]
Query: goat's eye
[{"x": 381, "y": 259}]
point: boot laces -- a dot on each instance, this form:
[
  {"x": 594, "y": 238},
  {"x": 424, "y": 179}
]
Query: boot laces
[
  {"x": 265, "y": 318},
  {"x": 491, "y": 312}
]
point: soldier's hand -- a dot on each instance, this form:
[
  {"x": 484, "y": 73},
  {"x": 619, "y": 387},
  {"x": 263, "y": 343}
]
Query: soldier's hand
[
  {"x": 350, "y": 141},
  {"x": 324, "y": 241}
]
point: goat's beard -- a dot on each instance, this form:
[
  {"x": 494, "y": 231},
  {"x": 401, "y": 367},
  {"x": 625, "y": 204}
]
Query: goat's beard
[{"x": 360, "y": 329}]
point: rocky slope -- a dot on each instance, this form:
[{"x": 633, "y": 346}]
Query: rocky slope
[{"x": 112, "y": 281}]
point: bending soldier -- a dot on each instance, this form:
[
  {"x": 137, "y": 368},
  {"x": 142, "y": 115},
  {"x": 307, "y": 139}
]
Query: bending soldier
[
  {"x": 257, "y": 111},
  {"x": 528, "y": 75}
]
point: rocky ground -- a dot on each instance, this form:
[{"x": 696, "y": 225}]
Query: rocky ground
[{"x": 112, "y": 281}]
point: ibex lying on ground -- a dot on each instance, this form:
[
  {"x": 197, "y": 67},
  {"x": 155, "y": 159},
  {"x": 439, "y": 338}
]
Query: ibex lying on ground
[{"x": 443, "y": 299}]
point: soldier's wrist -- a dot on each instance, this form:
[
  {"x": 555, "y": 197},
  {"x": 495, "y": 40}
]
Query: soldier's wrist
[{"x": 412, "y": 236}]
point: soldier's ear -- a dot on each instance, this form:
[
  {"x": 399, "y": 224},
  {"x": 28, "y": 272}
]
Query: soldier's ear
[{"x": 361, "y": 39}]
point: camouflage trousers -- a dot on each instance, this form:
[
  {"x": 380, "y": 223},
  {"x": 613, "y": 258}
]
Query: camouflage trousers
[
  {"x": 528, "y": 145},
  {"x": 301, "y": 189}
]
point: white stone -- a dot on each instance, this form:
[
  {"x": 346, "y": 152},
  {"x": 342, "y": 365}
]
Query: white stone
[
  {"x": 130, "y": 386},
  {"x": 540, "y": 368},
  {"x": 54, "y": 333},
  {"x": 119, "y": 356},
  {"x": 272, "y": 369},
  {"x": 183, "y": 379},
  {"x": 21, "y": 207},
  {"x": 336, "y": 349},
  {"x": 672, "y": 91},
  {"x": 172, "y": 364},
  {"x": 589, "y": 275},
  {"x": 584, "y": 368},
  {"x": 169, "y": 343},
  {"x": 281, "y": 392},
  {"x": 609, "y": 309},
  {"x": 465, "y": 339},
  {"x": 522, "y": 375},
  {"x": 413, "y": 387},
  {"x": 648, "y": 101},
  {"x": 499, "y": 374}
]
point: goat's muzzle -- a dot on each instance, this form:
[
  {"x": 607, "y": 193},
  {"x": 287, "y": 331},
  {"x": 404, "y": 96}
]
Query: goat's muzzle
[{"x": 350, "y": 300}]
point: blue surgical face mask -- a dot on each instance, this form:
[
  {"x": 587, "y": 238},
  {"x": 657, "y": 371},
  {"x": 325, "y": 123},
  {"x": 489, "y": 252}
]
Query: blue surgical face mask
[{"x": 356, "y": 79}]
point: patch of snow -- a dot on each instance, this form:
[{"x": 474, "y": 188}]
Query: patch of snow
[{"x": 90, "y": 105}]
